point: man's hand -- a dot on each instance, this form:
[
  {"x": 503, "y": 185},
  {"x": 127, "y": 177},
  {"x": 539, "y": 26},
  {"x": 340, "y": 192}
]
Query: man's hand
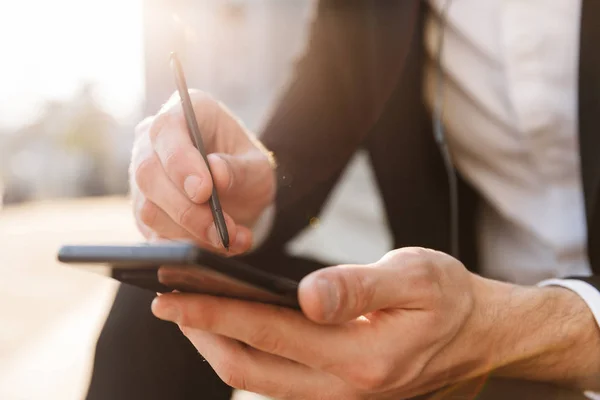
[
  {"x": 409, "y": 324},
  {"x": 412, "y": 323},
  {"x": 171, "y": 184},
  {"x": 547, "y": 335}
]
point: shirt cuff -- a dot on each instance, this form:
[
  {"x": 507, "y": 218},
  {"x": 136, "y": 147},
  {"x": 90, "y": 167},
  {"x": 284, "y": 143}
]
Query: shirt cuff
[
  {"x": 263, "y": 227},
  {"x": 589, "y": 294}
]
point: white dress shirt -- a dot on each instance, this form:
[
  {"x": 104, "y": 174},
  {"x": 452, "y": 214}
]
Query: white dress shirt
[{"x": 510, "y": 110}]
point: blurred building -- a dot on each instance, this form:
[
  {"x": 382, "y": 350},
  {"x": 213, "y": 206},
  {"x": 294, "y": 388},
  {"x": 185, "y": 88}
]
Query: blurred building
[{"x": 71, "y": 150}]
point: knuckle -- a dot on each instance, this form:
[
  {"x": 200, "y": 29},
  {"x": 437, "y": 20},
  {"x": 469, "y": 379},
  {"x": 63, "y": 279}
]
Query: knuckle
[
  {"x": 406, "y": 257},
  {"x": 232, "y": 375},
  {"x": 145, "y": 172},
  {"x": 356, "y": 291},
  {"x": 419, "y": 251},
  {"x": 189, "y": 320},
  {"x": 174, "y": 159},
  {"x": 207, "y": 319},
  {"x": 185, "y": 215},
  {"x": 148, "y": 213},
  {"x": 161, "y": 121},
  {"x": 429, "y": 272},
  {"x": 427, "y": 281},
  {"x": 231, "y": 174},
  {"x": 266, "y": 339},
  {"x": 412, "y": 254},
  {"x": 193, "y": 316}
]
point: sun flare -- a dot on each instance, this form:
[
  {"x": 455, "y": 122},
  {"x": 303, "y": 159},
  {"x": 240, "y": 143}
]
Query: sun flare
[{"x": 51, "y": 47}]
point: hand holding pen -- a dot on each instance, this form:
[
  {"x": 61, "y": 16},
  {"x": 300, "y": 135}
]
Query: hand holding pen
[{"x": 198, "y": 174}]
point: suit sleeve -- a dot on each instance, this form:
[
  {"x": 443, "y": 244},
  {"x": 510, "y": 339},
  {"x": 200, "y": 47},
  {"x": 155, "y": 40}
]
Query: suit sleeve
[{"x": 355, "y": 56}]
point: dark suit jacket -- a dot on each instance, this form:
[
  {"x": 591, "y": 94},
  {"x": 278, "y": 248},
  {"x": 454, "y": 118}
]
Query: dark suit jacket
[{"x": 359, "y": 85}]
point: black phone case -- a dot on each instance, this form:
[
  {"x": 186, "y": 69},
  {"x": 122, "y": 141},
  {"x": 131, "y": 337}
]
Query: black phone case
[{"x": 164, "y": 267}]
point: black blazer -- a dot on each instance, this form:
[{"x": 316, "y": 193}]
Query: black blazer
[{"x": 359, "y": 85}]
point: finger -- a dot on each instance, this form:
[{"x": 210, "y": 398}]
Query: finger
[
  {"x": 404, "y": 279},
  {"x": 183, "y": 163},
  {"x": 245, "y": 368},
  {"x": 138, "y": 201},
  {"x": 141, "y": 151},
  {"x": 159, "y": 222},
  {"x": 156, "y": 187},
  {"x": 150, "y": 219},
  {"x": 153, "y": 221},
  {"x": 274, "y": 330}
]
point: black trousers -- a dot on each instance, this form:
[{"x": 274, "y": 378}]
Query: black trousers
[{"x": 141, "y": 357}]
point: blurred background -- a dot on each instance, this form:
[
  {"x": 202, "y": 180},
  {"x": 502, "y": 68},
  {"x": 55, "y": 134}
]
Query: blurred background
[{"x": 75, "y": 78}]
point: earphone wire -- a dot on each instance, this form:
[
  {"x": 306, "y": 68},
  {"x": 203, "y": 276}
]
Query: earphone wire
[{"x": 440, "y": 135}]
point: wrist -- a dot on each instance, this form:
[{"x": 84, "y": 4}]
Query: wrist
[{"x": 543, "y": 334}]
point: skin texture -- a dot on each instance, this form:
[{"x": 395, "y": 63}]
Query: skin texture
[
  {"x": 411, "y": 323},
  {"x": 170, "y": 183}
]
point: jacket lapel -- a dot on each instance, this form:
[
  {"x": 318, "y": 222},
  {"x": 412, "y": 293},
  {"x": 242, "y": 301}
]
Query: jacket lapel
[{"x": 589, "y": 122}]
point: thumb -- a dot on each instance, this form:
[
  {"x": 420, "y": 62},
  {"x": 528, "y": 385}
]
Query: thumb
[{"x": 343, "y": 293}]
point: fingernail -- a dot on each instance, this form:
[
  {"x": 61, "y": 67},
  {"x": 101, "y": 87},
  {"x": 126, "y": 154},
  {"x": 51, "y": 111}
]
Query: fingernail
[
  {"x": 191, "y": 185},
  {"x": 165, "y": 309},
  {"x": 213, "y": 236},
  {"x": 330, "y": 298}
]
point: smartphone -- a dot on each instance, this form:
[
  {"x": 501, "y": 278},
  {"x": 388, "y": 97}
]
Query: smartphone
[{"x": 167, "y": 266}]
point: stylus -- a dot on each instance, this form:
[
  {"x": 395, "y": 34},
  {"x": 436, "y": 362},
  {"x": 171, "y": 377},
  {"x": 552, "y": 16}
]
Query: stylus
[{"x": 194, "y": 132}]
